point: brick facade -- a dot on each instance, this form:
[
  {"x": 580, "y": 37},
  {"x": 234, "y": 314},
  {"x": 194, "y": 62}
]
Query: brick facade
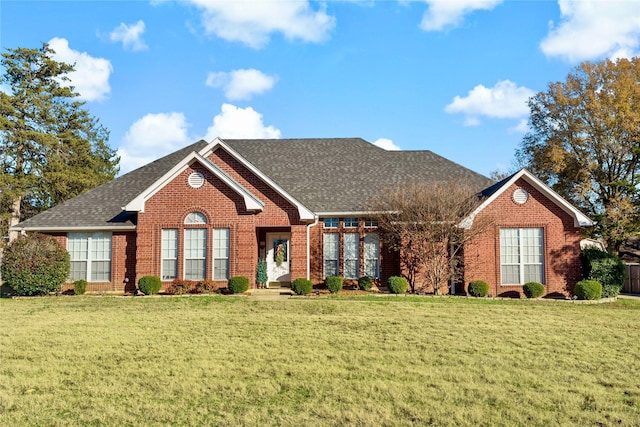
[{"x": 561, "y": 243}]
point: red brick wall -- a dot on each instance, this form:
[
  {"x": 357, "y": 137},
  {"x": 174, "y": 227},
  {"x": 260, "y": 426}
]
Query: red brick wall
[
  {"x": 561, "y": 243},
  {"x": 223, "y": 209}
]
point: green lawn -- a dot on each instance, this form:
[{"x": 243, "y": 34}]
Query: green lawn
[{"x": 379, "y": 361}]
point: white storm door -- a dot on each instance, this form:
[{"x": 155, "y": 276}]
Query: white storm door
[{"x": 278, "y": 257}]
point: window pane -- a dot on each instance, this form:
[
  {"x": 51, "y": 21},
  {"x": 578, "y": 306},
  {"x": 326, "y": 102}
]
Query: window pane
[
  {"x": 220, "y": 269},
  {"x": 371, "y": 255},
  {"x": 100, "y": 271},
  {"x": 330, "y": 268},
  {"x": 521, "y": 255},
  {"x": 78, "y": 246},
  {"x": 195, "y": 218},
  {"x": 330, "y": 254},
  {"x": 221, "y": 253},
  {"x": 194, "y": 269},
  {"x": 510, "y": 274},
  {"x": 351, "y": 222},
  {"x": 169, "y": 269},
  {"x": 351, "y": 255},
  {"x": 195, "y": 248},
  {"x": 331, "y": 223},
  {"x": 78, "y": 271}
]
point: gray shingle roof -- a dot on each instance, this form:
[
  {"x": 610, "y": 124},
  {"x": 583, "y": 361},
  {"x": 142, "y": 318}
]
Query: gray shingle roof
[{"x": 325, "y": 175}]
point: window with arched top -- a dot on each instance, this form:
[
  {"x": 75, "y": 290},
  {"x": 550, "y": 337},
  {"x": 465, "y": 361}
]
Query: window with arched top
[{"x": 195, "y": 218}]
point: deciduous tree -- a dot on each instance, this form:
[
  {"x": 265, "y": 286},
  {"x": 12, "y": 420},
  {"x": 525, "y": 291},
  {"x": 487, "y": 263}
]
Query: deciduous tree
[
  {"x": 51, "y": 148},
  {"x": 585, "y": 143},
  {"x": 422, "y": 223}
]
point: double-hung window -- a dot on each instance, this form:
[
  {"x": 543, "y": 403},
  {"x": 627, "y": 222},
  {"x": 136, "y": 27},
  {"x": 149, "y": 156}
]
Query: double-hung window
[
  {"x": 330, "y": 254},
  {"x": 169, "y": 254},
  {"x": 371, "y": 255},
  {"x": 90, "y": 256},
  {"x": 220, "y": 253},
  {"x": 351, "y": 247},
  {"x": 195, "y": 253},
  {"x": 521, "y": 255}
]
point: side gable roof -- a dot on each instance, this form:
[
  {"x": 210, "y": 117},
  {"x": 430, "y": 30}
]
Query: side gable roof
[{"x": 491, "y": 193}]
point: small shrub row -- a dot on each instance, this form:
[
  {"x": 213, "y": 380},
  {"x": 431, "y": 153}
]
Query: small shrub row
[
  {"x": 397, "y": 284},
  {"x": 478, "y": 288},
  {"x": 149, "y": 285},
  {"x": 238, "y": 284},
  {"x": 588, "y": 290},
  {"x": 365, "y": 283},
  {"x": 334, "y": 283},
  {"x": 533, "y": 289}
]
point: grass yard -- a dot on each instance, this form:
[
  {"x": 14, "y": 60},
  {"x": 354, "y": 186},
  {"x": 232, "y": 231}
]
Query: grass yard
[{"x": 204, "y": 360}]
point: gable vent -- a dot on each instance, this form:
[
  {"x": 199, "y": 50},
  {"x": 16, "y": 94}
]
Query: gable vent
[
  {"x": 196, "y": 180},
  {"x": 520, "y": 196}
]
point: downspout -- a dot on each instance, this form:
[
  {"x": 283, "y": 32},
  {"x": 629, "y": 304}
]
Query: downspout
[{"x": 309, "y": 245}]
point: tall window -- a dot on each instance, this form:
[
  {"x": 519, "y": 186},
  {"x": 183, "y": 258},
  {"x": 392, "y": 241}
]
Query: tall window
[
  {"x": 220, "y": 253},
  {"x": 90, "y": 256},
  {"x": 371, "y": 255},
  {"x": 169, "y": 254},
  {"x": 521, "y": 255},
  {"x": 351, "y": 248},
  {"x": 330, "y": 254},
  {"x": 195, "y": 253}
]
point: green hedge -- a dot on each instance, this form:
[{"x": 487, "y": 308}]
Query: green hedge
[
  {"x": 604, "y": 267},
  {"x": 35, "y": 264},
  {"x": 302, "y": 286},
  {"x": 149, "y": 285},
  {"x": 533, "y": 289},
  {"x": 588, "y": 290},
  {"x": 397, "y": 284},
  {"x": 80, "y": 287},
  {"x": 238, "y": 284},
  {"x": 334, "y": 283},
  {"x": 478, "y": 288},
  {"x": 365, "y": 283}
]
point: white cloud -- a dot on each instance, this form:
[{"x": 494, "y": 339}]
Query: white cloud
[
  {"x": 151, "y": 137},
  {"x": 505, "y": 100},
  {"x": 444, "y": 14},
  {"x": 241, "y": 84},
  {"x": 591, "y": 29},
  {"x": 130, "y": 36},
  {"x": 253, "y": 23},
  {"x": 234, "y": 122},
  {"x": 387, "y": 144},
  {"x": 91, "y": 75},
  {"x": 521, "y": 127}
]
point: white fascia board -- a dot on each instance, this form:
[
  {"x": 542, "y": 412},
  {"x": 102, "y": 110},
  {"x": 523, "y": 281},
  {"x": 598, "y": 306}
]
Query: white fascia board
[
  {"x": 579, "y": 219},
  {"x": 252, "y": 203},
  {"x": 304, "y": 213}
]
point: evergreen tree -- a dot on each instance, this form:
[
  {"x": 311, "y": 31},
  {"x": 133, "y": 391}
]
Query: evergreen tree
[{"x": 51, "y": 148}]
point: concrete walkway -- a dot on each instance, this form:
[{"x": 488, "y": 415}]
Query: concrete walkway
[{"x": 272, "y": 294}]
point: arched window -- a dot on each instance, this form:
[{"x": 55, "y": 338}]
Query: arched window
[{"x": 195, "y": 218}]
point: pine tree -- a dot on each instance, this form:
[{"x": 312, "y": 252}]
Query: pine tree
[{"x": 51, "y": 148}]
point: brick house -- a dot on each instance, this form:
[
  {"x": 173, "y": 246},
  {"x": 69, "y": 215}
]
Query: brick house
[{"x": 211, "y": 210}]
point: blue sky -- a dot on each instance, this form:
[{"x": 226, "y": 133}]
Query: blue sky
[{"x": 448, "y": 76}]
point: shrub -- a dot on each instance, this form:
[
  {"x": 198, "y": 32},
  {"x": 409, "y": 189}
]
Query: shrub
[
  {"x": 397, "y": 284},
  {"x": 478, "y": 288},
  {"x": 588, "y": 290},
  {"x": 365, "y": 283},
  {"x": 149, "y": 285},
  {"x": 604, "y": 267},
  {"x": 206, "y": 287},
  {"x": 80, "y": 287},
  {"x": 533, "y": 289},
  {"x": 302, "y": 286},
  {"x": 179, "y": 287},
  {"x": 261, "y": 272},
  {"x": 334, "y": 283},
  {"x": 35, "y": 265},
  {"x": 238, "y": 284}
]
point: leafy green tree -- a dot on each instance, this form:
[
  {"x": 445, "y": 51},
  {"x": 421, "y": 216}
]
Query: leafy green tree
[
  {"x": 585, "y": 143},
  {"x": 52, "y": 149}
]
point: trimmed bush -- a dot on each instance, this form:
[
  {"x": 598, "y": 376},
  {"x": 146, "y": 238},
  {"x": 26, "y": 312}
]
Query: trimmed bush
[
  {"x": 533, "y": 289},
  {"x": 238, "y": 284},
  {"x": 604, "y": 267},
  {"x": 149, "y": 285},
  {"x": 588, "y": 290},
  {"x": 302, "y": 286},
  {"x": 206, "y": 287},
  {"x": 478, "y": 288},
  {"x": 365, "y": 283},
  {"x": 334, "y": 283},
  {"x": 397, "y": 284},
  {"x": 80, "y": 287},
  {"x": 35, "y": 265},
  {"x": 179, "y": 287}
]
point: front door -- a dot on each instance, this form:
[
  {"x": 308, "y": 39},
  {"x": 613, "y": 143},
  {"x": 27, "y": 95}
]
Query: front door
[{"x": 278, "y": 250}]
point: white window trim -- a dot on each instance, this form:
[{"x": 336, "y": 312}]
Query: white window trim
[
  {"x": 521, "y": 264},
  {"x": 90, "y": 255}
]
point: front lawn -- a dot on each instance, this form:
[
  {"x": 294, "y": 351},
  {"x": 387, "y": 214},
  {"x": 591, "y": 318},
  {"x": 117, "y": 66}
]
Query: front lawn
[{"x": 205, "y": 360}]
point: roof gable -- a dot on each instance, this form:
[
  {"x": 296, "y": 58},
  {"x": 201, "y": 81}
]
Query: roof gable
[
  {"x": 252, "y": 203},
  {"x": 493, "y": 192}
]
